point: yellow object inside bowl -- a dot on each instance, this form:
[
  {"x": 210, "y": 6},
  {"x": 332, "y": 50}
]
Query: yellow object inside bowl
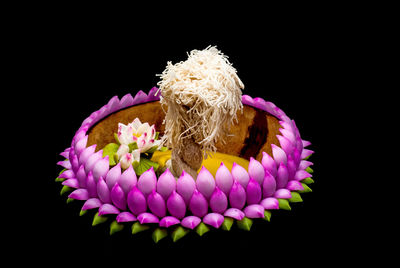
[{"x": 211, "y": 163}]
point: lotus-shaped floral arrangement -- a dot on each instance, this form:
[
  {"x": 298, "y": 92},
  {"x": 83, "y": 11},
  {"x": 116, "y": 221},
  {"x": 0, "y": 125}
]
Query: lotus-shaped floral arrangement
[{"x": 117, "y": 165}]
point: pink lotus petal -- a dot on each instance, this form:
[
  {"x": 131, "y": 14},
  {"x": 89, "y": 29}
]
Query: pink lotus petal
[
  {"x": 140, "y": 97},
  {"x": 246, "y": 99},
  {"x": 74, "y": 163},
  {"x": 80, "y": 134},
  {"x": 157, "y": 204},
  {"x": 113, "y": 104},
  {"x": 305, "y": 164},
  {"x": 103, "y": 192},
  {"x": 299, "y": 143},
  {"x": 305, "y": 153},
  {"x": 185, "y": 186},
  {"x": 288, "y": 135},
  {"x": 151, "y": 95},
  {"x": 198, "y": 204},
  {"x": 101, "y": 168},
  {"x": 71, "y": 153},
  {"x": 81, "y": 176},
  {"x": 254, "y": 211},
  {"x": 306, "y": 143},
  {"x": 253, "y": 192},
  {"x": 91, "y": 204},
  {"x": 136, "y": 201},
  {"x": 279, "y": 155},
  {"x": 91, "y": 161},
  {"x": 224, "y": 179},
  {"x": 126, "y": 101},
  {"x": 80, "y": 145},
  {"x": 73, "y": 183},
  {"x": 260, "y": 103},
  {"x": 118, "y": 197},
  {"x": 84, "y": 156},
  {"x": 269, "y": 107},
  {"x": 106, "y": 209},
  {"x": 176, "y": 205},
  {"x": 237, "y": 196},
  {"x": 190, "y": 222},
  {"x": 128, "y": 179},
  {"x": 234, "y": 213},
  {"x": 147, "y": 181},
  {"x": 282, "y": 176},
  {"x": 147, "y": 218},
  {"x": 88, "y": 121},
  {"x": 286, "y": 145},
  {"x": 296, "y": 156},
  {"x": 65, "y": 164},
  {"x": 79, "y": 194},
  {"x": 113, "y": 176},
  {"x": 218, "y": 201},
  {"x": 67, "y": 174},
  {"x": 301, "y": 175},
  {"x": 104, "y": 111},
  {"x": 214, "y": 219},
  {"x": 169, "y": 221},
  {"x": 65, "y": 154},
  {"x": 240, "y": 175},
  {"x": 205, "y": 183},
  {"x": 294, "y": 186},
  {"x": 126, "y": 217},
  {"x": 283, "y": 194},
  {"x": 269, "y": 164},
  {"x": 91, "y": 185},
  {"x": 287, "y": 125},
  {"x": 291, "y": 166},
  {"x": 270, "y": 203},
  {"x": 256, "y": 170},
  {"x": 269, "y": 185},
  {"x": 166, "y": 184}
]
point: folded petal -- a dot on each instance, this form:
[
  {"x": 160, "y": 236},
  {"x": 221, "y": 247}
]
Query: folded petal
[
  {"x": 128, "y": 179},
  {"x": 253, "y": 192},
  {"x": 126, "y": 217},
  {"x": 237, "y": 196},
  {"x": 113, "y": 176},
  {"x": 283, "y": 194},
  {"x": 147, "y": 218},
  {"x": 101, "y": 168},
  {"x": 269, "y": 164},
  {"x": 294, "y": 185},
  {"x": 279, "y": 155},
  {"x": 269, "y": 185},
  {"x": 270, "y": 203},
  {"x": 301, "y": 175},
  {"x": 169, "y": 221},
  {"x": 118, "y": 197},
  {"x": 254, "y": 211},
  {"x": 91, "y": 204},
  {"x": 234, "y": 213},
  {"x": 240, "y": 175},
  {"x": 73, "y": 183},
  {"x": 84, "y": 156},
  {"x": 103, "y": 192},
  {"x": 205, "y": 183},
  {"x": 166, "y": 184},
  {"x": 79, "y": 194},
  {"x": 256, "y": 170},
  {"x": 156, "y": 204},
  {"x": 218, "y": 201},
  {"x": 108, "y": 209},
  {"x": 198, "y": 204},
  {"x": 282, "y": 176},
  {"x": 214, "y": 219},
  {"x": 147, "y": 181},
  {"x": 185, "y": 186},
  {"x": 136, "y": 201},
  {"x": 224, "y": 179},
  {"x": 190, "y": 222},
  {"x": 176, "y": 205}
]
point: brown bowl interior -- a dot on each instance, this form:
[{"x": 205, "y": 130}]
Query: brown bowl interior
[{"x": 254, "y": 132}]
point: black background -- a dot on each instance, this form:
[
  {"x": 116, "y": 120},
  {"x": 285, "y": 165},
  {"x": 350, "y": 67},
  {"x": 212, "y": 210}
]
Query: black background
[{"x": 296, "y": 66}]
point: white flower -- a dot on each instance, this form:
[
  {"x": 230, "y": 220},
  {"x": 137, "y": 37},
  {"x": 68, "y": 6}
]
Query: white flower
[{"x": 128, "y": 159}]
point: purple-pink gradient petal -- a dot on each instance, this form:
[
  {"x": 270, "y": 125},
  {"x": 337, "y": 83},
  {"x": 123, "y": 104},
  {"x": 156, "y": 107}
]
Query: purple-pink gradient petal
[
  {"x": 91, "y": 185},
  {"x": 294, "y": 185},
  {"x": 101, "y": 168},
  {"x": 81, "y": 176},
  {"x": 92, "y": 161},
  {"x": 74, "y": 163},
  {"x": 218, "y": 201},
  {"x": 237, "y": 196},
  {"x": 156, "y": 204},
  {"x": 126, "y": 217},
  {"x": 67, "y": 174},
  {"x": 240, "y": 175},
  {"x": 205, "y": 183},
  {"x": 256, "y": 170},
  {"x": 91, "y": 203},
  {"x": 253, "y": 192},
  {"x": 304, "y": 164},
  {"x": 301, "y": 175},
  {"x": 65, "y": 164},
  {"x": 185, "y": 186},
  {"x": 108, "y": 209},
  {"x": 84, "y": 156},
  {"x": 279, "y": 155},
  {"x": 254, "y": 211},
  {"x": 305, "y": 153},
  {"x": 147, "y": 181},
  {"x": 73, "y": 183},
  {"x": 169, "y": 221},
  {"x": 291, "y": 166},
  {"x": 234, "y": 213},
  {"x": 103, "y": 191},
  {"x": 269, "y": 164},
  {"x": 128, "y": 179},
  {"x": 118, "y": 197},
  {"x": 214, "y": 219},
  {"x": 224, "y": 179},
  {"x": 269, "y": 185},
  {"x": 147, "y": 218},
  {"x": 190, "y": 222},
  {"x": 166, "y": 184},
  {"x": 283, "y": 194},
  {"x": 113, "y": 176},
  {"x": 140, "y": 97},
  {"x": 286, "y": 145},
  {"x": 198, "y": 204},
  {"x": 79, "y": 194},
  {"x": 136, "y": 201},
  {"x": 176, "y": 205},
  {"x": 270, "y": 203},
  {"x": 282, "y": 176},
  {"x": 81, "y": 145}
]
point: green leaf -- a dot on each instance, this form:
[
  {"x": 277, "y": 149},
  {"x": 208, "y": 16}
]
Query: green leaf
[
  {"x": 164, "y": 149},
  {"x": 66, "y": 189},
  {"x": 178, "y": 233},
  {"x": 201, "y": 229},
  {"x": 156, "y": 136},
  {"x": 98, "y": 219},
  {"x": 145, "y": 164},
  {"x": 245, "y": 224},
  {"x": 137, "y": 228},
  {"x": 110, "y": 149},
  {"x": 69, "y": 200},
  {"x": 60, "y": 179},
  {"x": 62, "y": 170},
  {"x": 116, "y": 139},
  {"x": 115, "y": 227},
  {"x": 309, "y": 170},
  {"x": 306, "y": 188},
  {"x": 152, "y": 149},
  {"x": 227, "y": 224},
  {"x": 284, "y": 204},
  {"x": 308, "y": 180},
  {"x": 295, "y": 198},
  {"x": 132, "y": 146},
  {"x": 82, "y": 212},
  {"x": 307, "y": 157},
  {"x": 115, "y": 156},
  {"x": 158, "y": 234},
  {"x": 267, "y": 215}
]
